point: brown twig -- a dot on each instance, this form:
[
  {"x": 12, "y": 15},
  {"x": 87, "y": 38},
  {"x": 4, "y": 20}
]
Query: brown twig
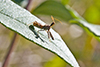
[
  {"x": 11, "y": 48},
  {"x": 27, "y": 7}
]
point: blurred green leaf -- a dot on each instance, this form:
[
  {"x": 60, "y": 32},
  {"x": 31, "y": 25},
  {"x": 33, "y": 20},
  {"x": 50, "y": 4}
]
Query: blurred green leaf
[
  {"x": 17, "y": 19},
  {"x": 67, "y": 14},
  {"x": 92, "y": 14},
  {"x": 96, "y": 3},
  {"x": 54, "y": 8},
  {"x": 59, "y": 63},
  {"x": 64, "y": 2}
]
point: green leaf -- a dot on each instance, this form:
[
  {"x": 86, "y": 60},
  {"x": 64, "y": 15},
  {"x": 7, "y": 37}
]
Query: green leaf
[
  {"x": 92, "y": 14},
  {"x": 55, "y": 9},
  {"x": 59, "y": 62},
  {"x": 64, "y": 2},
  {"x": 17, "y": 19},
  {"x": 67, "y": 14}
]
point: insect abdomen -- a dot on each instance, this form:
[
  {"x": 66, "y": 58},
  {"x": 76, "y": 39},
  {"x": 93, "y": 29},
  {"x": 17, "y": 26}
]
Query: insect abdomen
[{"x": 37, "y": 24}]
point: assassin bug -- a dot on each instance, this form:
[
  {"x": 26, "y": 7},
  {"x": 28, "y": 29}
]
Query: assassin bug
[{"x": 46, "y": 27}]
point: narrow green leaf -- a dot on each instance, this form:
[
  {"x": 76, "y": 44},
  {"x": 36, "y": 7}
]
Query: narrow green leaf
[
  {"x": 67, "y": 14},
  {"x": 91, "y": 28},
  {"x": 17, "y": 19}
]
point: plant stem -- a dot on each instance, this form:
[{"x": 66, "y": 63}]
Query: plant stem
[
  {"x": 27, "y": 7},
  {"x": 11, "y": 48}
]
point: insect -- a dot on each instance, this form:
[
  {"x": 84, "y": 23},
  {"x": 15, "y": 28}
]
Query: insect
[{"x": 45, "y": 27}]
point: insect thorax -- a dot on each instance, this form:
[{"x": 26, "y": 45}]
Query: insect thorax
[{"x": 46, "y": 27}]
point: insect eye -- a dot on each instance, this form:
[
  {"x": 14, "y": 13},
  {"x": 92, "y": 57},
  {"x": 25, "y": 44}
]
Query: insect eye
[{"x": 34, "y": 23}]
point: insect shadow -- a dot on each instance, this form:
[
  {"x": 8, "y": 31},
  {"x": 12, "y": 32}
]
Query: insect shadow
[{"x": 31, "y": 27}]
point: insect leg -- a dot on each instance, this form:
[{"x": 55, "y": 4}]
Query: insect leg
[
  {"x": 48, "y": 34},
  {"x": 40, "y": 30},
  {"x": 51, "y": 35}
]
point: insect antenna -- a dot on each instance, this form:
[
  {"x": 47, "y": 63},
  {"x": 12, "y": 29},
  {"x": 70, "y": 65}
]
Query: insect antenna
[
  {"x": 52, "y": 19},
  {"x": 58, "y": 20},
  {"x": 50, "y": 35}
]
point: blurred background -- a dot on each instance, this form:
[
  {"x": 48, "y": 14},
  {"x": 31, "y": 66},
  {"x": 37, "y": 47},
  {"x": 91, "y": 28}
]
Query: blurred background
[{"x": 84, "y": 47}]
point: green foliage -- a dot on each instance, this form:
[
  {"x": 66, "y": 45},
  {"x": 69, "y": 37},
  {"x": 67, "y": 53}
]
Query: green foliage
[
  {"x": 64, "y": 2},
  {"x": 17, "y": 19},
  {"x": 92, "y": 14},
  {"x": 59, "y": 63},
  {"x": 55, "y": 9}
]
